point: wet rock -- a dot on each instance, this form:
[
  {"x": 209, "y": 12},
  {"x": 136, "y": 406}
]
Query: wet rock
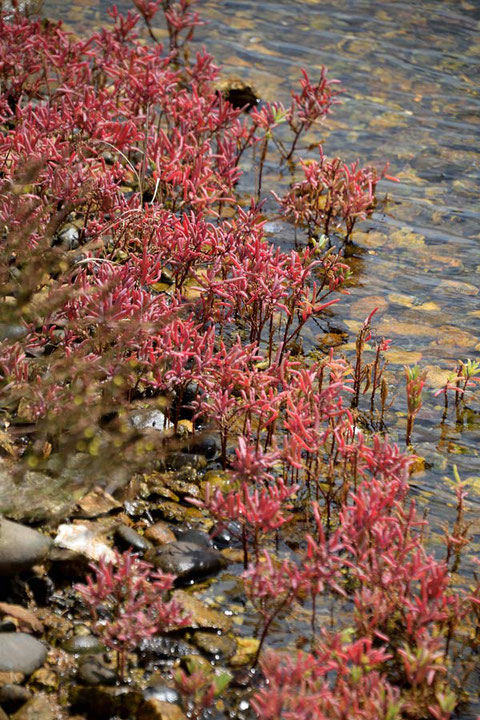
[
  {"x": 224, "y": 536},
  {"x": 20, "y": 547},
  {"x": 92, "y": 671},
  {"x": 83, "y": 645},
  {"x": 96, "y": 503},
  {"x": 180, "y": 484},
  {"x": 197, "y": 537},
  {"x": 163, "y": 650},
  {"x": 38, "y": 707},
  {"x": 20, "y": 652},
  {"x": 105, "y": 701},
  {"x": 180, "y": 460},
  {"x": 126, "y": 537},
  {"x": 160, "y": 534},
  {"x": 201, "y": 617},
  {"x": 12, "y": 697},
  {"x": 162, "y": 693},
  {"x": 217, "y": 646},
  {"x": 173, "y": 511},
  {"x": 188, "y": 561},
  {"x": 159, "y": 710},
  {"x": 205, "y": 444},
  {"x": 246, "y": 651}
]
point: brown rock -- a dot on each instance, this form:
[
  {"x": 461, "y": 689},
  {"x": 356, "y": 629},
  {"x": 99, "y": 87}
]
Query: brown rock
[{"x": 159, "y": 534}]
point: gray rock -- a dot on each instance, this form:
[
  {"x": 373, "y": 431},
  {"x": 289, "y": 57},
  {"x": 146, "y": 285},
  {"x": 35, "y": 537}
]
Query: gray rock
[
  {"x": 20, "y": 547},
  {"x": 188, "y": 561},
  {"x": 20, "y": 652},
  {"x": 126, "y": 537}
]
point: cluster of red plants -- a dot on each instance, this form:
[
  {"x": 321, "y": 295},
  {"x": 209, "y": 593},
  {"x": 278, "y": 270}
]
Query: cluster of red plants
[{"x": 126, "y": 273}]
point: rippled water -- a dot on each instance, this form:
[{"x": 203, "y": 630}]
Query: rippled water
[{"x": 411, "y": 73}]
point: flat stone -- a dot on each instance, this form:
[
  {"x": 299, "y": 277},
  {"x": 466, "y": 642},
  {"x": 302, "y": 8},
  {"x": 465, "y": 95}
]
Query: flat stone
[
  {"x": 20, "y": 652},
  {"x": 95, "y": 503},
  {"x": 20, "y": 547},
  {"x": 201, "y": 617},
  {"x": 188, "y": 561}
]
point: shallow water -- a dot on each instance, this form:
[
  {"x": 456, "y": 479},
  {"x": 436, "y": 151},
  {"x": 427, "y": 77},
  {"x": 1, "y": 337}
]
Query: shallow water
[{"x": 411, "y": 73}]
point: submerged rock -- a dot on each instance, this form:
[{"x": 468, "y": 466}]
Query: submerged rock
[
  {"x": 188, "y": 561},
  {"x": 20, "y": 547},
  {"x": 21, "y": 653}
]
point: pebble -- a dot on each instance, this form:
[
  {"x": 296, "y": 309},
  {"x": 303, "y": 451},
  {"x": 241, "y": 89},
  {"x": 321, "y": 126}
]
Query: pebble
[
  {"x": 20, "y": 652},
  {"x": 188, "y": 561},
  {"x": 160, "y": 534},
  {"x": 20, "y": 547},
  {"x": 126, "y": 537},
  {"x": 83, "y": 645}
]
